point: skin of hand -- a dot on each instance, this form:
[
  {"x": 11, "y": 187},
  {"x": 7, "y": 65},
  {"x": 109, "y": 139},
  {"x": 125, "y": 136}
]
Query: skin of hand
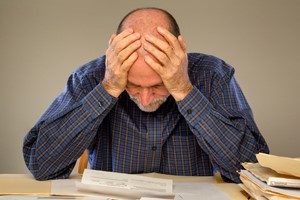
[
  {"x": 120, "y": 56},
  {"x": 172, "y": 64}
]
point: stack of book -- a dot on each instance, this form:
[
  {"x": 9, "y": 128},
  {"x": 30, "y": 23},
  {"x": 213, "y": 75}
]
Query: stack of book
[{"x": 273, "y": 177}]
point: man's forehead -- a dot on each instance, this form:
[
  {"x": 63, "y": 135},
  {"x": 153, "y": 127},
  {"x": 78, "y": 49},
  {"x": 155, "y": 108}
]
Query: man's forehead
[{"x": 146, "y": 21}]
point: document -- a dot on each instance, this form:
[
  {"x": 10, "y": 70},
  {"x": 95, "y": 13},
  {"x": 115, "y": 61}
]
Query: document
[
  {"x": 150, "y": 198},
  {"x": 13, "y": 197},
  {"x": 271, "y": 177},
  {"x": 196, "y": 191},
  {"x": 282, "y": 165},
  {"x": 67, "y": 188},
  {"x": 125, "y": 185},
  {"x": 260, "y": 187}
]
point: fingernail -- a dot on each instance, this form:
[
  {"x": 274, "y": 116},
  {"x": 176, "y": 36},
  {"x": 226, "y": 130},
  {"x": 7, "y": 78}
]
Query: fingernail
[
  {"x": 147, "y": 37},
  {"x": 145, "y": 44},
  {"x": 160, "y": 29},
  {"x": 137, "y": 35},
  {"x": 146, "y": 57},
  {"x": 130, "y": 30}
]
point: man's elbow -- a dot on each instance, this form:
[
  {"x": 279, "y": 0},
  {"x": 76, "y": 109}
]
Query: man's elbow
[
  {"x": 46, "y": 174},
  {"x": 40, "y": 175},
  {"x": 43, "y": 176}
]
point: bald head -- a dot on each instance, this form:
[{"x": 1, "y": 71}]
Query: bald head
[
  {"x": 146, "y": 20},
  {"x": 170, "y": 22}
]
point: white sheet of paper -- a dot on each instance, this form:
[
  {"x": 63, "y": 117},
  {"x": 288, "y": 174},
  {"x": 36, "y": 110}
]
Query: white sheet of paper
[
  {"x": 67, "y": 187},
  {"x": 128, "y": 185},
  {"x": 149, "y": 198},
  {"x": 196, "y": 191},
  {"x": 17, "y": 197}
]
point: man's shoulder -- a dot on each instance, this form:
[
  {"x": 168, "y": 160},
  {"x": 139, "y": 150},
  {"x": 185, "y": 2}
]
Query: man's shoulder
[
  {"x": 199, "y": 63},
  {"x": 93, "y": 69}
]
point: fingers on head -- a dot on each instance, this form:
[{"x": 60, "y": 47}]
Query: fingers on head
[
  {"x": 161, "y": 45},
  {"x": 172, "y": 40},
  {"x": 125, "y": 53},
  {"x": 153, "y": 64},
  {"x": 129, "y": 62},
  {"x": 130, "y": 40}
]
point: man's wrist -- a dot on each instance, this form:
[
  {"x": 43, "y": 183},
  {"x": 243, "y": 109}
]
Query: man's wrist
[
  {"x": 178, "y": 96},
  {"x": 110, "y": 90}
]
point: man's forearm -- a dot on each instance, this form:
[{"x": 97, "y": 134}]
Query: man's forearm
[
  {"x": 52, "y": 147},
  {"x": 227, "y": 143}
]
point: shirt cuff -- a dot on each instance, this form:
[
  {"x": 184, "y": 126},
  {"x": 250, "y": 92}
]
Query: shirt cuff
[
  {"x": 194, "y": 107},
  {"x": 98, "y": 101}
]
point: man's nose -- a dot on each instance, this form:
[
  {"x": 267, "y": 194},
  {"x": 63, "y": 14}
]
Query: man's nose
[{"x": 146, "y": 96}]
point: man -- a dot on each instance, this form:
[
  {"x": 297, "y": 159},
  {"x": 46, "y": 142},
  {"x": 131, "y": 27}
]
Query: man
[{"x": 147, "y": 106}]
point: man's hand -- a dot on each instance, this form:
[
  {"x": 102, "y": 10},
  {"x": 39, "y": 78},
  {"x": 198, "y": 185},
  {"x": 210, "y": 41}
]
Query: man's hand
[
  {"x": 120, "y": 56},
  {"x": 172, "y": 62}
]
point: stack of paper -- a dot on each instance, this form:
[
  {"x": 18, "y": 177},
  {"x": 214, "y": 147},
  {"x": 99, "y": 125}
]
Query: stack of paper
[
  {"x": 125, "y": 185},
  {"x": 130, "y": 186},
  {"x": 273, "y": 177}
]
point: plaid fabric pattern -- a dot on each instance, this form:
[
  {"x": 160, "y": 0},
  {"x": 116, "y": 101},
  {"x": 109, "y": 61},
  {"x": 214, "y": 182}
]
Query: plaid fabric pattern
[{"x": 211, "y": 129}]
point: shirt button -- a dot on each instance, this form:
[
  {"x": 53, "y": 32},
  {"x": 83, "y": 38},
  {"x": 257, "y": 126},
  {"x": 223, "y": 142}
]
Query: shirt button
[
  {"x": 154, "y": 148},
  {"x": 189, "y": 111}
]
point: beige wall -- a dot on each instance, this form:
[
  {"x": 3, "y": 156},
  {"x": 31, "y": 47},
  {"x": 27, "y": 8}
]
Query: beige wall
[{"x": 41, "y": 42}]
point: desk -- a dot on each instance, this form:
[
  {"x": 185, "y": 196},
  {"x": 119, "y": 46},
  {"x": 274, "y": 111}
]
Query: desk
[{"x": 25, "y": 184}]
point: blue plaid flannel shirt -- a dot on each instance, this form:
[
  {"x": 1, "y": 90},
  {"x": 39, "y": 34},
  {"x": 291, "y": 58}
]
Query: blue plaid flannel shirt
[{"x": 211, "y": 129}]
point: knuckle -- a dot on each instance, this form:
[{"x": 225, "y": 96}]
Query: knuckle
[
  {"x": 117, "y": 73},
  {"x": 173, "y": 39},
  {"x": 118, "y": 48},
  {"x": 181, "y": 57},
  {"x": 169, "y": 50},
  {"x": 164, "y": 58},
  {"x": 177, "y": 62},
  {"x": 120, "y": 57},
  {"x": 149, "y": 47}
]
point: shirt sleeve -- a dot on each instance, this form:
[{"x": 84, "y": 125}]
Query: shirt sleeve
[
  {"x": 223, "y": 125},
  {"x": 66, "y": 129}
]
